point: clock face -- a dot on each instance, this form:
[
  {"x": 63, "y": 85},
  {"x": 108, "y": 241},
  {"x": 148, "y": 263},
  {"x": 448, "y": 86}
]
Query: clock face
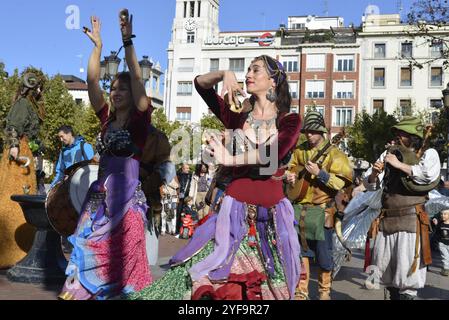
[{"x": 190, "y": 24}]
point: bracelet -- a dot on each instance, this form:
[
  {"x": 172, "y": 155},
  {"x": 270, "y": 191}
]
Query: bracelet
[
  {"x": 127, "y": 43},
  {"x": 339, "y": 214}
]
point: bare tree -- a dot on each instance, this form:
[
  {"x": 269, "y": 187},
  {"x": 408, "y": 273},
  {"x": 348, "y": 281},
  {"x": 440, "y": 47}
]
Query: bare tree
[{"x": 429, "y": 20}]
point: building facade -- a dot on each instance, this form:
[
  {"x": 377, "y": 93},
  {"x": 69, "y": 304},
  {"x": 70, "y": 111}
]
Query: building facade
[
  {"x": 77, "y": 88},
  {"x": 388, "y": 81},
  {"x": 334, "y": 69}
]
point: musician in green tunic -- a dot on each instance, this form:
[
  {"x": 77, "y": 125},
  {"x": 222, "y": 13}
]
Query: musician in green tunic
[
  {"x": 318, "y": 171},
  {"x": 406, "y": 172}
]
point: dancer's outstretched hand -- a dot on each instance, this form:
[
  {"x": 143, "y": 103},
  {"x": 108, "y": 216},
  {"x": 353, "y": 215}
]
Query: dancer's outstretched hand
[
  {"x": 126, "y": 24},
  {"x": 94, "y": 34}
]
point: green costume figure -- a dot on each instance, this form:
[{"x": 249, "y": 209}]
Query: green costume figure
[
  {"x": 406, "y": 172},
  {"x": 17, "y": 168},
  {"x": 318, "y": 170}
]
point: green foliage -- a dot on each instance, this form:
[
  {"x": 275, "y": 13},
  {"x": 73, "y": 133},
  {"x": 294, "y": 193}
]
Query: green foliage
[
  {"x": 60, "y": 110},
  {"x": 210, "y": 121},
  {"x": 8, "y": 89},
  {"x": 369, "y": 134},
  {"x": 87, "y": 123},
  {"x": 160, "y": 121}
]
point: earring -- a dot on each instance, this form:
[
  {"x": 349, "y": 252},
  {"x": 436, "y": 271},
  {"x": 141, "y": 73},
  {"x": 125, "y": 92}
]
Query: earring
[{"x": 271, "y": 95}]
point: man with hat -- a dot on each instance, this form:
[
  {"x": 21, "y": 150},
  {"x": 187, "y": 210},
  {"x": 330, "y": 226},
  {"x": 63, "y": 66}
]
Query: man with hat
[
  {"x": 318, "y": 170},
  {"x": 406, "y": 172}
]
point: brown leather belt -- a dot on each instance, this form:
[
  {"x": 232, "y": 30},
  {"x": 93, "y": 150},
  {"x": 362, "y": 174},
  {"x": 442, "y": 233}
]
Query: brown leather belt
[{"x": 402, "y": 211}]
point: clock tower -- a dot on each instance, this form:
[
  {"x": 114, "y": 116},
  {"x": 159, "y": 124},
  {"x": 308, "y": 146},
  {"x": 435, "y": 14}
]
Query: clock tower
[{"x": 194, "y": 22}]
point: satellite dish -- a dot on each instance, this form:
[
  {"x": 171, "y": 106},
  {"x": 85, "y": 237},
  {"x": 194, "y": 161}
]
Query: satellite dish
[
  {"x": 372, "y": 9},
  {"x": 309, "y": 18}
]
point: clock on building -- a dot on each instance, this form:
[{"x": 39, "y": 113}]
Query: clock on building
[{"x": 190, "y": 24}]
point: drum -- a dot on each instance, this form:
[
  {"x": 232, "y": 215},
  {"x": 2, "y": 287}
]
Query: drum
[{"x": 65, "y": 199}]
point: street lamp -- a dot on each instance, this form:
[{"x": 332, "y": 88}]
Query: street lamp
[
  {"x": 446, "y": 109},
  {"x": 145, "y": 66},
  {"x": 109, "y": 68}
]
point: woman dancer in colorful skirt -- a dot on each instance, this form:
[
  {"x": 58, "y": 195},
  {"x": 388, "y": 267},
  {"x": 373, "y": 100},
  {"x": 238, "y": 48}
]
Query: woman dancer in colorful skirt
[
  {"x": 109, "y": 256},
  {"x": 250, "y": 249}
]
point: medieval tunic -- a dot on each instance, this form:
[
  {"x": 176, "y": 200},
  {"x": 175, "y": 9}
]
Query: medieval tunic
[
  {"x": 16, "y": 235},
  {"x": 319, "y": 193},
  {"x": 393, "y": 253}
]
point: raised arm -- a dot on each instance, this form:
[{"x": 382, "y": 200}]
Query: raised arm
[
  {"x": 137, "y": 86},
  {"x": 93, "y": 69},
  {"x": 230, "y": 83}
]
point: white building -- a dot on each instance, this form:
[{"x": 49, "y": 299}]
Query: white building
[
  {"x": 340, "y": 70},
  {"x": 153, "y": 87},
  {"x": 77, "y": 88},
  {"x": 387, "y": 80},
  {"x": 314, "y": 22},
  {"x": 198, "y": 47}
]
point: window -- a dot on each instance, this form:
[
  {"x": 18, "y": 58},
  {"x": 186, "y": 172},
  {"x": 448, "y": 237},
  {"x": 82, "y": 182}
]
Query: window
[
  {"x": 192, "y": 9},
  {"x": 79, "y": 101},
  {"x": 183, "y": 113},
  {"x": 379, "y": 77},
  {"x": 407, "y": 49},
  {"x": 155, "y": 83},
  {"x": 214, "y": 64},
  {"x": 293, "y": 89},
  {"x": 345, "y": 63},
  {"x": 190, "y": 37},
  {"x": 379, "y": 50},
  {"x": 314, "y": 89},
  {"x": 199, "y": 8},
  {"x": 343, "y": 116},
  {"x": 186, "y": 64},
  {"x": 185, "y": 9},
  {"x": 436, "y": 103},
  {"x": 320, "y": 109},
  {"x": 316, "y": 61},
  {"x": 406, "y": 107},
  {"x": 290, "y": 63},
  {"x": 436, "y": 77},
  {"x": 299, "y": 25},
  {"x": 406, "y": 77},
  {"x": 436, "y": 49},
  {"x": 237, "y": 65},
  {"x": 344, "y": 90},
  {"x": 184, "y": 88},
  {"x": 294, "y": 109},
  {"x": 378, "y": 105}
]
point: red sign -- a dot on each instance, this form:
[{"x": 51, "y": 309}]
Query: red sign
[{"x": 266, "y": 39}]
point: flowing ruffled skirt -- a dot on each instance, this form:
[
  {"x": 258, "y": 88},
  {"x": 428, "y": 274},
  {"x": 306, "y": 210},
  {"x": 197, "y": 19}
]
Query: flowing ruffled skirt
[
  {"x": 224, "y": 260},
  {"x": 109, "y": 255}
]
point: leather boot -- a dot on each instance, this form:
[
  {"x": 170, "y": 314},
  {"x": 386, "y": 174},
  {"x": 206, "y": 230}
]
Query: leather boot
[
  {"x": 324, "y": 284},
  {"x": 302, "y": 289}
]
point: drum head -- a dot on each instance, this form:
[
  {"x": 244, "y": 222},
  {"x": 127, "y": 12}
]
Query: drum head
[{"x": 80, "y": 182}]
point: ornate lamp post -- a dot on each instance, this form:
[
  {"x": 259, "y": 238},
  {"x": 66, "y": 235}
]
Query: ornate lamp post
[
  {"x": 109, "y": 68},
  {"x": 446, "y": 110},
  {"x": 145, "y": 66}
]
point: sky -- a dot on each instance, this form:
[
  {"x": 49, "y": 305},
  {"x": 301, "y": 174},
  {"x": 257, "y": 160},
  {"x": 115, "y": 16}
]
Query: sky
[{"x": 36, "y": 33}]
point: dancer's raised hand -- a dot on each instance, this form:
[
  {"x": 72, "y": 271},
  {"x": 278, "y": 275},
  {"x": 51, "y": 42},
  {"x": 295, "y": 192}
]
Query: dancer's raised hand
[
  {"x": 94, "y": 34},
  {"x": 126, "y": 24}
]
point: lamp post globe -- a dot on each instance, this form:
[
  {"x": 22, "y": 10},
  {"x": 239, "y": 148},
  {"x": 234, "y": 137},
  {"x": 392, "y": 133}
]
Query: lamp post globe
[
  {"x": 145, "y": 66},
  {"x": 112, "y": 64}
]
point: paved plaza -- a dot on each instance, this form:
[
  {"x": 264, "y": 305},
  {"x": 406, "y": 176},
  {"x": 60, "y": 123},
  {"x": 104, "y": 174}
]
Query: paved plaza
[{"x": 348, "y": 285}]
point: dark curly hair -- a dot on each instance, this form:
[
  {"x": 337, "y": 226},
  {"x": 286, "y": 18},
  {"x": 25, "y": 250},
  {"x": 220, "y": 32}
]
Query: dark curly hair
[{"x": 277, "y": 73}]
